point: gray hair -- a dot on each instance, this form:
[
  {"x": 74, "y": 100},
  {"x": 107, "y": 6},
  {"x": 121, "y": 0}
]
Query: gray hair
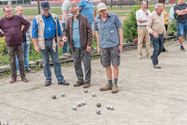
[
  {"x": 159, "y": 5},
  {"x": 7, "y": 6},
  {"x": 18, "y": 7}
]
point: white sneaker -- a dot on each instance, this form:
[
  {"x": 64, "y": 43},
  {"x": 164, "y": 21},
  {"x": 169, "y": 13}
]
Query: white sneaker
[{"x": 139, "y": 56}]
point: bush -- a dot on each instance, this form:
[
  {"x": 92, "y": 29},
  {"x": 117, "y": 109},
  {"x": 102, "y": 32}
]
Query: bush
[
  {"x": 3, "y": 49},
  {"x": 172, "y": 29},
  {"x": 130, "y": 26}
]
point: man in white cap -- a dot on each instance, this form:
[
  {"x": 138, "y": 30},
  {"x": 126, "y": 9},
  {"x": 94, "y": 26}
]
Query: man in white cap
[{"x": 109, "y": 36}]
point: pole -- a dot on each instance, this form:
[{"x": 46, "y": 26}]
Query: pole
[{"x": 38, "y": 6}]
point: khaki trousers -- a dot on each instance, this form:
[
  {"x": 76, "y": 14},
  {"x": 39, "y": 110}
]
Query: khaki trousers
[{"x": 143, "y": 35}]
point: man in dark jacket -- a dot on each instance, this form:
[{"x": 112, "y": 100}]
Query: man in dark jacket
[
  {"x": 11, "y": 26},
  {"x": 79, "y": 36}
]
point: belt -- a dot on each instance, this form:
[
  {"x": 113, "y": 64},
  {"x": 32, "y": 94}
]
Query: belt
[{"x": 142, "y": 25}]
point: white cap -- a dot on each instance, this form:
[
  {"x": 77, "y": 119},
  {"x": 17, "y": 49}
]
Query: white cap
[{"x": 101, "y": 6}]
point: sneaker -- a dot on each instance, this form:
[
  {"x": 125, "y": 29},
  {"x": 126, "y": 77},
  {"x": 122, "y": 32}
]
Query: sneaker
[
  {"x": 48, "y": 83},
  {"x": 29, "y": 70},
  {"x": 164, "y": 50},
  {"x": 156, "y": 66},
  {"x": 106, "y": 88},
  {"x": 139, "y": 56},
  {"x": 63, "y": 82},
  {"x": 13, "y": 80},
  {"x": 182, "y": 48},
  {"x": 115, "y": 88},
  {"x": 78, "y": 83},
  {"x": 148, "y": 56},
  {"x": 86, "y": 85},
  {"x": 24, "y": 79}
]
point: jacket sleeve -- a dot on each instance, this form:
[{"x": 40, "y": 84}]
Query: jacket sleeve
[
  {"x": 89, "y": 33},
  {"x": 26, "y": 25}
]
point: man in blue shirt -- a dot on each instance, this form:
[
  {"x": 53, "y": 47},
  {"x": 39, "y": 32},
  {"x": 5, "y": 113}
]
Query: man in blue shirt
[
  {"x": 109, "y": 35},
  {"x": 87, "y": 10},
  {"x": 46, "y": 32}
]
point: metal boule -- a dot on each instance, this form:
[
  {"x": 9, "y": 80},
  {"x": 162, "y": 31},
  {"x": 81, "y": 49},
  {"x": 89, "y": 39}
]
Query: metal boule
[
  {"x": 79, "y": 104},
  {"x": 54, "y": 97},
  {"x": 107, "y": 107},
  {"x": 98, "y": 112},
  {"x": 74, "y": 108},
  {"x": 111, "y": 107},
  {"x": 62, "y": 94},
  {"x": 5, "y": 123},
  {"x": 86, "y": 90},
  {"x": 98, "y": 105},
  {"x": 93, "y": 94},
  {"x": 83, "y": 103}
]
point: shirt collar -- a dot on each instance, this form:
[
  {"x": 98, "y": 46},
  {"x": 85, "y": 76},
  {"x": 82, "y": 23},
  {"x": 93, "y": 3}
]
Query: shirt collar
[{"x": 109, "y": 15}]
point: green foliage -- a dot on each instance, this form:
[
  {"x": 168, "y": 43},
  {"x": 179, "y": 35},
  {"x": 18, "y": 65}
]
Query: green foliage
[
  {"x": 130, "y": 26},
  {"x": 33, "y": 55},
  {"x": 3, "y": 49},
  {"x": 172, "y": 29},
  {"x": 4, "y": 59}
]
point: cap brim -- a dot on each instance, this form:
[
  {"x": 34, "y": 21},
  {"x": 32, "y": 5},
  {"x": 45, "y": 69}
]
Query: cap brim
[{"x": 104, "y": 8}]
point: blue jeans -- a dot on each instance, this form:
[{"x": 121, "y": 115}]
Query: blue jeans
[
  {"x": 46, "y": 64},
  {"x": 181, "y": 29},
  {"x": 65, "y": 47},
  {"x": 26, "y": 47},
  {"x": 157, "y": 47}
]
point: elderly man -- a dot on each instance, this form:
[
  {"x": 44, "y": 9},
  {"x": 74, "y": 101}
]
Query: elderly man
[
  {"x": 180, "y": 10},
  {"x": 143, "y": 35},
  {"x": 26, "y": 42},
  {"x": 109, "y": 36},
  {"x": 11, "y": 25},
  {"x": 65, "y": 15},
  {"x": 46, "y": 34},
  {"x": 80, "y": 38},
  {"x": 156, "y": 28}
]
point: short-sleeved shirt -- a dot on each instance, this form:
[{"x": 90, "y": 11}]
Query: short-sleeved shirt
[
  {"x": 181, "y": 18},
  {"x": 66, "y": 7},
  {"x": 143, "y": 15},
  {"x": 108, "y": 30},
  {"x": 76, "y": 34},
  {"x": 87, "y": 10}
]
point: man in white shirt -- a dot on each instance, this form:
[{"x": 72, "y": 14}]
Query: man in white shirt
[{"x": 143, "y": 35}]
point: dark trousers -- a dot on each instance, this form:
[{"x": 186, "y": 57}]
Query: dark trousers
[
  {"x": 80, "y": 55},
  {"x": 166, "y": 27},
  {"x": 14, "y": 51},
  {"x": 157, "y": 47}
]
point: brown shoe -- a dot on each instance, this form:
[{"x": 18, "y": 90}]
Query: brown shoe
[
  {"x": 86, "y": 85},
  {"x": 115, "y": 88},
  {"x": 13, "y": 80},
  {"x": 24, "y": 79},
  {"x": 106, "y": 88},
  {"x": 78, "y": 83}
]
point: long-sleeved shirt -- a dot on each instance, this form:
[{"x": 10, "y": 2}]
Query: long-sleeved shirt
[
  {"x": 49, "y": 30},
  {"x": 156, "y": 23},
  {"x": 12, "y": 29}
]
